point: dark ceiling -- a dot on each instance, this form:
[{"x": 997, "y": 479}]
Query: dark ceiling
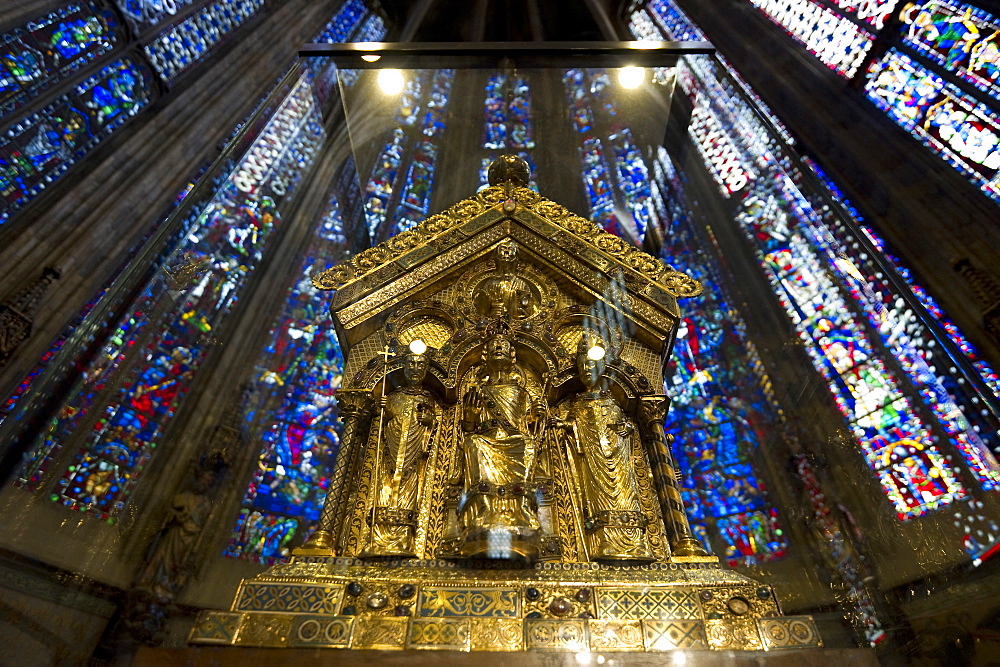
[{"x": 499, "y": 20}]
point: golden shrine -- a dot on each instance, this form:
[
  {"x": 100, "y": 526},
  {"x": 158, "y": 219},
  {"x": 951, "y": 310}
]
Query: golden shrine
[{"x": 504, "y": 482}]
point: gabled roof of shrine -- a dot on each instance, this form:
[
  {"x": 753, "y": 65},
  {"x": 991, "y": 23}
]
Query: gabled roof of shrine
[{"x": 382, "y": 276}]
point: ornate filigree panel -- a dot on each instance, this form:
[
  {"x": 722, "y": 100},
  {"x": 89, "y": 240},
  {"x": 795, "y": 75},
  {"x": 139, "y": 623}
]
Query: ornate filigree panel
[
  {"x": 380, "y": 598},
  {"x": 616, "y": 635},
  {"x": 667, "y": 635},
  {"x": 380, "y": 633},
  {"x": 433, "y": 509},
  {"x": 439, "y": 633},
  {"x": 646, "y": 603},
  {"x": 556, "y": 634},
  {"x": 733, "y": 634},
  {"x": 655, "y": 530},
  {"x": 788, "y": 632},
  {"x": 265, "y": 630},
  {"x": 321, "y": 631},
  {"x": 366, "y": 349},
  {"x": 497, "y": 634},
  {"x": 285, "y": 597},
  {"x": 646, "y": 360},
  {"x": 471, "y": 602},
  {"x": 559, "y": 602},
  {"x": 392, "y": 293},
  {"x": 738, "y": 602},
  {"x": 216, "y": 627}
]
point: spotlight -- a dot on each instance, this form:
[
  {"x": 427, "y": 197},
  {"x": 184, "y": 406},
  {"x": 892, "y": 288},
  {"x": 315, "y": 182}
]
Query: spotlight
[
  {"x": 631, "y": 77},
  {"x": 418, "y": 346},
  {"x": 595, "y": 353},
  {"x": 390, "y": 81},
  {"x": 370, "y": 57}
]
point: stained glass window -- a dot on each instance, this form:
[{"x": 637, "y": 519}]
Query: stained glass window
[
  {"x": 676, "y": 24},
  {"x": 964, "y": 132},
  {"x": 177, "y": 49},
  {"x": 718, "y": 151},
  {"x": 909, "y": 340},
  {"x": 900, "y": 340},
  {"x": 343, "y": 23},
  {"x": 608, "y": 176},
  {"x": 36, "y": 55},
  {"x": 299, "y": 371},
  {"x": 509, "y": 125},
  {"x": 959, "y": 37},
  {"x": 896, "y": 442},
  {"x": 144, "y": 14},
  {"x": 719, "y": 411},
  {"x": 372, "y": 30},
  {"x": 672, "y": 23},
  {"x": 837, "y": 42},
  {"x": 383, "y": 180},
  {"x": 826, "y": 239},
  {"x": 415, "y": 198},
  {"x": 401, "y": 194},
  {"x": 874, "y": 12},
  {"x": 44, "y": 145},
  {"x": 126, "y": 398}
]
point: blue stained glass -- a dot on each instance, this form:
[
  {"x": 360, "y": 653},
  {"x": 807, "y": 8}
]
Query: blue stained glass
[
  {"x": 676, "y": 24},
  {"x": 129, "y": 393},
  {"x": 262, "y": 537},
  {"x": 176, "y": 49},
  {"x": 963, "y": 39},
  {"x": 43, "y": 146},
  {"x": 610, "y": 178},
  {"x": 372, "y": 30},
  {"x": 419, "y": 178},
  {"x": 422, "y": 116},
  {"x": 719, "y": 411},
  {"x": 143, "y": 14},
  {"x": 36, "y": 55},
  {"x": 343, "y": 23},
  {"x": 509, "y": 124},
  {"x": 300, "y": 369},
  {"x": 382, "y": 181},
  {"x": 865, "y": 391},
  {"x": 962, "y": 131}
]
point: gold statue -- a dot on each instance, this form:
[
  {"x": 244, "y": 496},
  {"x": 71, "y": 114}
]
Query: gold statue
[
  {"x": 505, "y": 295},
  {"x": 407, "y": 424},
  {"x": 502, "y": 411},
  {"x": 480, "y": 470},
  {"x": 603, "y": 439}
]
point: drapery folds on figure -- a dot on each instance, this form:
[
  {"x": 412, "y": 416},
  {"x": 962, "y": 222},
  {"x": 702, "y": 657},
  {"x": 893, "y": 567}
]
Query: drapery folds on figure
[
  {"x": 602, "y": 439},
  {"x": 408, "y": 421},
  {"x": 503, "y": 409}
]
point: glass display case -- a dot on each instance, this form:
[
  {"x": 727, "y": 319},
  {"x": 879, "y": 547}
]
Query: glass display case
[{"x": 830, "y": 436}]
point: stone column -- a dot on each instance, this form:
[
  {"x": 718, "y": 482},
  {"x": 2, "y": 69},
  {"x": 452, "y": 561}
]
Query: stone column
[
  {"x": 354, "y": 406},
  {"x": 652, "y": 413}
]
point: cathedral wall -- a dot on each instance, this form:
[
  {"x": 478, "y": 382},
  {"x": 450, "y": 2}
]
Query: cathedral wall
[
  {"x": 49, "y": 619},
  {"x": 92, "y": 220},
  {"x": 929, "y": 212}
]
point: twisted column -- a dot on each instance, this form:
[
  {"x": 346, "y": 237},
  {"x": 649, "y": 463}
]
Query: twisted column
[
  {"x": 652, "y": 414},
  {"x": 354, "y": 406}
]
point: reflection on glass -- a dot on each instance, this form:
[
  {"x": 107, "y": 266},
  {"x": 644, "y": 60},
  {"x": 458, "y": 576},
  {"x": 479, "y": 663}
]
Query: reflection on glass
[
  {"x": 119, "y": 408},
  {"x": 298, "y": 373}
]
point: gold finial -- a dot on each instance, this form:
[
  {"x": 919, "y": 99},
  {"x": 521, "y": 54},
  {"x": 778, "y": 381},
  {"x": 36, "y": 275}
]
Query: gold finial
[{"x": 509, "y": 169}]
